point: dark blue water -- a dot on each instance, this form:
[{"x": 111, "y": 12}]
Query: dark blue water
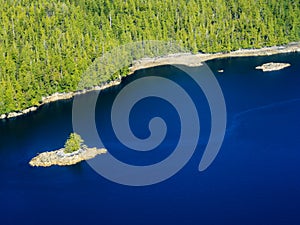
[{"x": 254, "y": 179}]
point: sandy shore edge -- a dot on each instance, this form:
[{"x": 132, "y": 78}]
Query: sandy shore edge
[{"x": 187, "y": 59}]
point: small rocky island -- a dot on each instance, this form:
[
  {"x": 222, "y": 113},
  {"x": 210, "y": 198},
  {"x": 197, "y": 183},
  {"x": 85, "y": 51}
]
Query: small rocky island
[
  {"x": 73, "y": 152},
  {"x": 267, "y": 67}
]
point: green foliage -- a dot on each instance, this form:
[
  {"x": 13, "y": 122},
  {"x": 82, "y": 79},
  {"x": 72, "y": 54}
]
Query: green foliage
[
  {"x": 45, "y": 46},
  {"x": 73, "y": 143}
]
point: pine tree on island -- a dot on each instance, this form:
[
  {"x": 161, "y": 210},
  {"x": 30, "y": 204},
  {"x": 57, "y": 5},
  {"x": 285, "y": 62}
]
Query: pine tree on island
[{"x": 74, "y": 143}]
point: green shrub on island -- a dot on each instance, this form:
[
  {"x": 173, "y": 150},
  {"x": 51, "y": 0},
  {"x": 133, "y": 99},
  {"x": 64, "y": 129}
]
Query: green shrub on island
[{"x": 73, "y": 143}]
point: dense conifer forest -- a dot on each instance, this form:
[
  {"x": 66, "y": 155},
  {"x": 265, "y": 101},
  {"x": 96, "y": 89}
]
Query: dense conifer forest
[{"x": 46, "y": 45}]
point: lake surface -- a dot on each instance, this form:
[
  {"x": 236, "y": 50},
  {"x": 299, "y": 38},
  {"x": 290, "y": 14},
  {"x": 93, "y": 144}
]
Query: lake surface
[{"x": 254, "y": 179}]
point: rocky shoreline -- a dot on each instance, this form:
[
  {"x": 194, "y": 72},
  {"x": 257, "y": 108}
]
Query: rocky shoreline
[
  {"x": 60, "y": 158},
  {"x": 56, "y": 97},
  {"x": 187, "y": 59},
  {"x": 268, "y": 67}
]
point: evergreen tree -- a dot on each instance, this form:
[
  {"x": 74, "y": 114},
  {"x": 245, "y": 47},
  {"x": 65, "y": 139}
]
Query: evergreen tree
[{"x": 74, "y": 143}]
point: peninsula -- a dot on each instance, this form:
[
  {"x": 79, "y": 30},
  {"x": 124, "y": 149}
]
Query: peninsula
[{"x": 189, "y": 59}]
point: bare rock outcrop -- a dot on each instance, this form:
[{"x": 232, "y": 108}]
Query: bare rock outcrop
[
  {"x": 60, "y": 158},
  {"x": 267, "y": 67}
]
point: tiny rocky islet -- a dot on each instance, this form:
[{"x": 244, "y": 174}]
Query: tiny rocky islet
[
  {"x": 59, "y": 158},
  {"x": 268, "y": 67},
  {"x": 65, "y": 157}
]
